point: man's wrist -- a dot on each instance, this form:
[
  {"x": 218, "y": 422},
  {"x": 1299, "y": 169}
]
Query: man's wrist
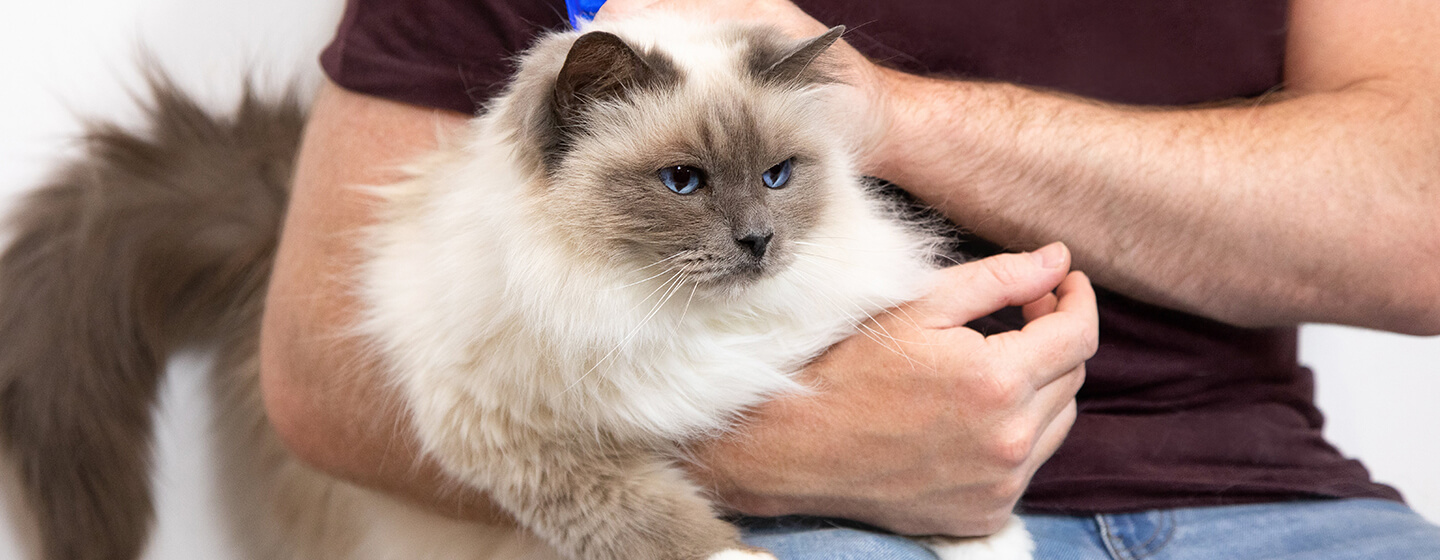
[
  {"x": 917, "y": 111},
  {"x": 968, "y": 148}
]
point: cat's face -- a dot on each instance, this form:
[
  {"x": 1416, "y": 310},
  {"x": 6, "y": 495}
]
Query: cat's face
[
  {"x": 720, "y": 192},
  {"x": 707, "y": 175}
]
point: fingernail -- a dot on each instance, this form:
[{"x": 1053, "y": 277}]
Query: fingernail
[{"x": 1050, "y": 256}]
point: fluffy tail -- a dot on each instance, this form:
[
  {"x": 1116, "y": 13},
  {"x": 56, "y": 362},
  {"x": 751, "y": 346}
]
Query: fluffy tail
[{"x": 149, "y": 241}]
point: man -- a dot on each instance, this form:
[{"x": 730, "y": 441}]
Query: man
[{"x": 1246, "y": 217}]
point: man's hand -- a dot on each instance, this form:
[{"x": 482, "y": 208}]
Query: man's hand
[{"x": 919, "y": 424}]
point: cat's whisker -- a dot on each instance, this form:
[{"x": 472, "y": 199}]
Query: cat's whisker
[
  {"x": 847, "y": 249},
  {"x": 898, "y": 349},
  {"x": 818, "y": 256},
  {"x": 674, "y": 256},
  {"x": 674, "y": 283},
  {"x": 813, "y": 238},
  {"x": 950, "y": 261},
  {"x": 662, "y": 285},
  {"x": 880, "y": 338},
  {"x": 695, "y": 286},
  {"x": 657, "y": 275},
  {"x": 889, "y": 336},
  {"x": 854, "y": 318},
  {"x": 908, "y": 320}
]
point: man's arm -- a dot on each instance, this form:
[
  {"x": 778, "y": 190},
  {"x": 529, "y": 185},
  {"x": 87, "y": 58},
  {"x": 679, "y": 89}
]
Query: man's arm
[{"x": 1321, "y": 204}]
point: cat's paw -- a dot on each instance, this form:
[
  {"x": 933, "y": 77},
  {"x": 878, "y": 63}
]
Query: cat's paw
[
  {"x": 737, "y": 554},
  {"x": 1011, "y": 543}
]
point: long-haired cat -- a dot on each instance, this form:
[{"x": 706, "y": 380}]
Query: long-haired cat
[{"x": 652, "y": 230}]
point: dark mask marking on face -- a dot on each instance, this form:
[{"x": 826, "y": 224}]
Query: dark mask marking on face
[{"x": 726, "y": 233}]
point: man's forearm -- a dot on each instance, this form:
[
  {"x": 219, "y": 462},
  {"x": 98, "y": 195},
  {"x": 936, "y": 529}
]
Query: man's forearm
[{"x": 1319, "y": 207}]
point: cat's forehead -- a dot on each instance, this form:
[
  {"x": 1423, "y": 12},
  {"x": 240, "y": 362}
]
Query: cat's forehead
[
  {"x": 734, "y": 124},
  {"x": 665, "y": 89},
  {"x": 707, "y": 53},
  {"x": 717, "y": 100}
]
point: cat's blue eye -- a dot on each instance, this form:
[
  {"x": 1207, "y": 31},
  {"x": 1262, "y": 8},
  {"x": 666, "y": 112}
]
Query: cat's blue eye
[
  {"x": 777, "y": 176},
  {"x": 682, "y": 179}
]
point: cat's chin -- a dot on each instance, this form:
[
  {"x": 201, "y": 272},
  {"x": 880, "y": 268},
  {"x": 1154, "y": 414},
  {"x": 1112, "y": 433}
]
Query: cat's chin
[
  {"x": 727, "y": 288},
  {"x": 726, "y": 291},
  {"x": 738, "y": 281}
]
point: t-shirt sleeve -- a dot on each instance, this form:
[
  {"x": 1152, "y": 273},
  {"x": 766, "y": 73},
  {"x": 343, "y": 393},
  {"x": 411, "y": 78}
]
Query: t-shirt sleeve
[{"x": 447, "y": 54}]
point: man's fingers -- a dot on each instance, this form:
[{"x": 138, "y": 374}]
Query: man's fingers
[
  {"x": 1053, "y": 434},
  {"x": 1039, "y": 308},
  {"x": 1050, "y": 401},
  {"x": 1055, "y": 343},
  {"x": 1076, "y": 294},
  {"x": 972, "y": 290},
  {"x": 1071, "y": 333}
]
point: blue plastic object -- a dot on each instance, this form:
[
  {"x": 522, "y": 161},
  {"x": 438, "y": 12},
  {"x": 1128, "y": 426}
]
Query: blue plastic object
[{"x": 582, "y": 10}]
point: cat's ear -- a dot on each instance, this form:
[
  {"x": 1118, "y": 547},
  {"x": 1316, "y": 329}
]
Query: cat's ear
[
  {"x": 791, "y": 65},
  {"x": 601, "y": 66}
]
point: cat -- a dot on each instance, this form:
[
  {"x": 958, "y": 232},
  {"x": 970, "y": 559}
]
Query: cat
[{"x": 648, "y": 233}]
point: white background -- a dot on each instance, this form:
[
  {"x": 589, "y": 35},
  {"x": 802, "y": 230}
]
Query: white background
[{"x": 63, "y": 58}]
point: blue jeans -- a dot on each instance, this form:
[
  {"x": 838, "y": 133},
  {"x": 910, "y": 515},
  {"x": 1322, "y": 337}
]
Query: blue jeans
[{"x": 1312, "y": 530}]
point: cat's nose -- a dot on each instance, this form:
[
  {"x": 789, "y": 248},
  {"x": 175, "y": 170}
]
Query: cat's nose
[{"x": 755, "y": 242}]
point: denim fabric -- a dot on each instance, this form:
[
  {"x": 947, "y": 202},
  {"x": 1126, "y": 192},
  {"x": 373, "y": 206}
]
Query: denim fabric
[
  {"x": 805, "y": 538},
  {"x": 1357, "y": 529}
]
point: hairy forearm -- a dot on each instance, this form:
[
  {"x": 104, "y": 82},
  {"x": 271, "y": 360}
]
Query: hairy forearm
[{"x": 1315, "y": 207}]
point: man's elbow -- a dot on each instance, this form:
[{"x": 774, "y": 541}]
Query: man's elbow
[
  {"x": 1421, "y": 317},
  {"x": 1410, "y": 303},
  {"x": 1417, "y": 283},
  {"x": 286, "y": 407},
  {"x": 299, "y": 412}
]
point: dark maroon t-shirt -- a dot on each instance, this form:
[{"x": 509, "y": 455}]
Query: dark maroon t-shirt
[{"x": 1177, "y": 410}]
